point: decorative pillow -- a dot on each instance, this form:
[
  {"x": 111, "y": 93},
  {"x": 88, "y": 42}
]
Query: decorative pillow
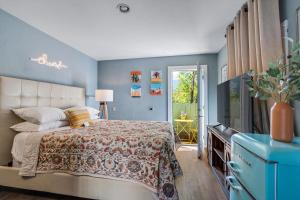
[
  {"x": 92, "y": 111},
  {"x": 78, "y": 118},
  {"x": 30, "y": 127},
  {"x": 40, "y": 115}
]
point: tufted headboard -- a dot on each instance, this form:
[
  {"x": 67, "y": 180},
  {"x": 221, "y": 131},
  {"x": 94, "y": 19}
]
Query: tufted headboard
[{"x": 17, "y": 93}]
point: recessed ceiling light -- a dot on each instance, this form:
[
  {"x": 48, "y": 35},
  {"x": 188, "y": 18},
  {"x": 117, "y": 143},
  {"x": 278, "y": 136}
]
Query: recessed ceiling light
[{"x": 124, "y": 8}]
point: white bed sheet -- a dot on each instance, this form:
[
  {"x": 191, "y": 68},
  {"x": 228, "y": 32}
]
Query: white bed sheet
[{"x": 19, "y": 143}]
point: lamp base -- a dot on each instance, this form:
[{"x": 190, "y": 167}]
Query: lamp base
[{"x": 103, "y": 114}]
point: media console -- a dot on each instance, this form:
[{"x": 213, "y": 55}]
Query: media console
[{"x": 218, "y": 153}]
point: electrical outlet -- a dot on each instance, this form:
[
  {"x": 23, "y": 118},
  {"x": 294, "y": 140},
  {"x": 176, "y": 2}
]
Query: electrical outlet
[{"x": 114, "y": 108}]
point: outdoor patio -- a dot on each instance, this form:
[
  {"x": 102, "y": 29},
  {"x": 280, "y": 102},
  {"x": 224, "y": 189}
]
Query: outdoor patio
[{"x": 185, "y": 122}]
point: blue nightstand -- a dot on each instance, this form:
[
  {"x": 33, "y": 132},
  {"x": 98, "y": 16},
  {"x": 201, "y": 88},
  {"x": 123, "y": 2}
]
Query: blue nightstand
[{"x": 262, "y": 168}]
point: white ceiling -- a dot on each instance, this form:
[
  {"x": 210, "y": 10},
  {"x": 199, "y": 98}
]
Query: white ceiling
[{"x": 152, "y": 27}]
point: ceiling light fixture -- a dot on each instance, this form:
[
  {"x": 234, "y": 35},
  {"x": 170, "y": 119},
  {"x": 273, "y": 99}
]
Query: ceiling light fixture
[{"x": 124, "y": 8}]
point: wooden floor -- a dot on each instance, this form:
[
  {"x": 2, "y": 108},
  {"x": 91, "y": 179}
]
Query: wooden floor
[{"x": 198, "y": 183}]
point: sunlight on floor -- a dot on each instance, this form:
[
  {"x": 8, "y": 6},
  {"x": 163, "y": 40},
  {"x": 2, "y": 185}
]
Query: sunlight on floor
[{"x": 187, "y": 148}]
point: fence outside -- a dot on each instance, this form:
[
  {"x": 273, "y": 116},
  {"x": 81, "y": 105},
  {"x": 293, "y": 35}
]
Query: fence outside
[{"x": 190, "y": 109}]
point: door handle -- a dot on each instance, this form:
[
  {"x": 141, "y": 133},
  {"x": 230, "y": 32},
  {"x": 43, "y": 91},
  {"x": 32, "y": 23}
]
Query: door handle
[
  {"x": 233, "y": 166},
  {"x": 233, "y": 183}
]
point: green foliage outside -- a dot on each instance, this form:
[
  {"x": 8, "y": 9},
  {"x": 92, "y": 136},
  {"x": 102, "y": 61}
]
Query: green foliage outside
[{"x": 187, "y": 88}]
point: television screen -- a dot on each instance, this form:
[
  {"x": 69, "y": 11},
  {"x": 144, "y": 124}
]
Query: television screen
[
  {"x": 223, "y": 104},
  {"x": 235, "y": 105}
]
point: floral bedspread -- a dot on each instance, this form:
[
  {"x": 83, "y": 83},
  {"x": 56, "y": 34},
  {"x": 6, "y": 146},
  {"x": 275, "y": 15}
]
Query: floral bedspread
[{"x": 136, "y": 151}]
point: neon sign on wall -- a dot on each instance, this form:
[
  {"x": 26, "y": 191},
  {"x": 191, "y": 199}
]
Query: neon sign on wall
[{"x": 43, "y": 60}]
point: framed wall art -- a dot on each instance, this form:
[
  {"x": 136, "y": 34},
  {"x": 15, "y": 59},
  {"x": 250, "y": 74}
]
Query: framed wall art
[
  {"x": 136, "y": 76},
  {"x": 224, "y": 72},
  {"x": 136, "y": 90},
  {"x": 155, "y": 89},
  {"x": 156, "y": 76}
]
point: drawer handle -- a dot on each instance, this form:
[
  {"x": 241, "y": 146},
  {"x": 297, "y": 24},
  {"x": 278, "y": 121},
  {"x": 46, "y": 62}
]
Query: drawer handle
[
  {"x": 233, "y": 183},
  {"x": 233, "y": 166}
]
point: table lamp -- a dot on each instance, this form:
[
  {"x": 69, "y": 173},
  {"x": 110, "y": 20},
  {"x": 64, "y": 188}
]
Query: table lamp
[{"x": 104, "y": 96}]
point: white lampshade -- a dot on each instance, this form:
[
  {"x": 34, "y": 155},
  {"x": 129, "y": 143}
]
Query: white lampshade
[{"x": 104, "y": 95}]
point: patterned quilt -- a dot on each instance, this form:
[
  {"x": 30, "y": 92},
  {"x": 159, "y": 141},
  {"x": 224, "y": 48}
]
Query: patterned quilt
[{"x": 135, "y": 151}]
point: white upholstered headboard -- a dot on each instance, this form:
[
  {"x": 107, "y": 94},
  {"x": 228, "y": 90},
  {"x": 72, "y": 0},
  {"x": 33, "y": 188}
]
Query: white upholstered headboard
[{"x": 17, "y": 93}]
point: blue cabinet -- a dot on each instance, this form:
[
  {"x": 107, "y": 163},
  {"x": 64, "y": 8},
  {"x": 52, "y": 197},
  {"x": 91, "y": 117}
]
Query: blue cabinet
[{"x": 264, "y": 169}]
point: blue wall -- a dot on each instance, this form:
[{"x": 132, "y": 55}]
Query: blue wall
[
  {"x": 222, "y": 60},
  {"x": 115, "y": 75},
  {"x": 288, "y": 11},
  {"x": 19, "y": 41}
]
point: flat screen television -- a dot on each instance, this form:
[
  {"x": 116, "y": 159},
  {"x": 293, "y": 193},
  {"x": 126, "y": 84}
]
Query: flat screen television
[{"x": 235, "y": 105}]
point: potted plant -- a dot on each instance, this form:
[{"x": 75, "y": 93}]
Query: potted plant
[
  {"x": 183, "y": 115},
  {"x": 281, "y": 82}
]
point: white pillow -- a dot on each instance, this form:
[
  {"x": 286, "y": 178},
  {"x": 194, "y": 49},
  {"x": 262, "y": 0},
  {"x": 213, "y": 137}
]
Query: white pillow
[
  {"x": 40, "y": 115},
  {"x": 92, "y": 111},
  {"x": 30, "y": 127}
]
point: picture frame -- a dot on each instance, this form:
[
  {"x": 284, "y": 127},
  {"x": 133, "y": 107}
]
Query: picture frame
[
  {"x": 135, "y": 76},
  {"x": 156, "y": 89},
  {"x": 224, "y": 73},
  {"x": 136, "y": 90},
  {"x": 156, "y": 76}
]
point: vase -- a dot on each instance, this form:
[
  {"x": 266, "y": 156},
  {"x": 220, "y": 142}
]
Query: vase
[{"x": 282, "y": 122}]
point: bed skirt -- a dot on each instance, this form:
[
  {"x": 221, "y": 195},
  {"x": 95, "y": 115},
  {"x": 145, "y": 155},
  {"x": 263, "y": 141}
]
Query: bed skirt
[{"x": 78, "y": 186}]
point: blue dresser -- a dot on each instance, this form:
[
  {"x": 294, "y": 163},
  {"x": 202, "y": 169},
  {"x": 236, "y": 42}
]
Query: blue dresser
[{"x": 264, "y": 169}]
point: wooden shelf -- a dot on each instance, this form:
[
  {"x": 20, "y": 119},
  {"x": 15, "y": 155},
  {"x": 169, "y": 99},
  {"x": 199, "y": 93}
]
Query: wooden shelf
[
  {"x": 220, "y": 154},
  {"x": 221, "y": 179},
  {"x": 218, "y": 146},
  {"x": 219, "y": 175}
]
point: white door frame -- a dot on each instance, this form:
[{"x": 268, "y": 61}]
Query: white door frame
[
  {"x": 202, "y": 76},
  {"x": 171, "y": 69}
]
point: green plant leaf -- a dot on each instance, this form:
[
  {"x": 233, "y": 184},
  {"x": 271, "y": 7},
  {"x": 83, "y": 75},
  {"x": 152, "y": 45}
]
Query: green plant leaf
[
  {"x": 265, "y": 84},
  {"x": 281, "y": 81},
  {"x": 293, "y": 79},
  {"x": 284, "y": 90},
  {"x": 272, "y": 65},
  {"x": 295, "y": 48},
  {"x": 297, "y": 84},
  {"x": 295, "y": 97},
  {"x": 250, "y": 83},
  {"x": 252, "y": 93},
  {"x": 273, "y": 72},
  {"x": 262, "y": 96}
]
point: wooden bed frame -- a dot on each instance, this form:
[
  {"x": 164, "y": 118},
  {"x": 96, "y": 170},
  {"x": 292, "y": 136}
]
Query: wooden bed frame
[{"x": 16, "y": 93}]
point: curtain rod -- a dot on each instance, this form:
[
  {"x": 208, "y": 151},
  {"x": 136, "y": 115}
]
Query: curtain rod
[{"x": 245, "y": 7}]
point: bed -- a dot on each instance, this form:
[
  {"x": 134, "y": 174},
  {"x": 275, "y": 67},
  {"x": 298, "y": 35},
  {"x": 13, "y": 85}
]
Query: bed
[{"x": 87, "y": 180}]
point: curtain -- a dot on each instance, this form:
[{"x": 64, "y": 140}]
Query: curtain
[
  {"x": 244, "y": 37},
  {"x": 253, "y": 41},
  {"x": 230, "y": 52},
  {"x": 254, "y": 38},
  {"x": 237, "y": 44}
]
